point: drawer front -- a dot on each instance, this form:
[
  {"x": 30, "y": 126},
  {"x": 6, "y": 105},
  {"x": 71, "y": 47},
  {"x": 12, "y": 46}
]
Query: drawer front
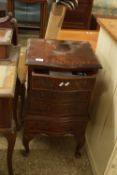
[
  {"x": 62, "y": 96},
  {"x": 63, "y": 125},
  {"x": 52, "y": 83},
  {"x": 57, "y": 107}
]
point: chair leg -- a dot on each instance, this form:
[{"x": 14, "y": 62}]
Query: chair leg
[{"x": 15, "y": 104}]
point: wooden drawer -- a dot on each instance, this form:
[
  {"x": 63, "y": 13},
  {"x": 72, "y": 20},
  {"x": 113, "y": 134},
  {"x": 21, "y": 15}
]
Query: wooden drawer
[
  {"x": 57, "y": 107},
  {"x": 62, "y": 96},
  {"x": 39, "y": 81},
  {"x": 62, "y": 125}
]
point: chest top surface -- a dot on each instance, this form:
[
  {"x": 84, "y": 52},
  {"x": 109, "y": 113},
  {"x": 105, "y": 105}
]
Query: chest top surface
[
  {"x": 8, "y": 73},
  {"x": 61, "y": 54},
  {"x": 7, "y": 80},
  {"x": 5, "y": 36}
]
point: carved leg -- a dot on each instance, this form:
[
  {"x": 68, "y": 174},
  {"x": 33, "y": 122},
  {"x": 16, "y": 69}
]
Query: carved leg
[
  {"x": 20, "y": 91},
  {"x": 11, "y": 138},
  {"x": 80, "y": 143},
  {"x": 26, "y": 139},
  {"x": 15, "y": 107}
]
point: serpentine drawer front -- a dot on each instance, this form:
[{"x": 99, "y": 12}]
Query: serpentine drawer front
[
  {"x": 53, "y": 126},
  {"x": 39, "y": 81},
  {"x": 61, "y": 78}
]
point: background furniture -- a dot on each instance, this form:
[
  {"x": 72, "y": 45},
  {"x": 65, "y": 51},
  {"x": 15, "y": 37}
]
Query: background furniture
[
  {"x": 8, "y": 102},
  {"x": 79, "y": 18},
  {"x": 105, "y": 8},
  {"x": 10, "y": 22},
  {"x": 28, "y": 14},
  {"x": 42, "y": 10},
  {"x": 2, "y": 10},
  {"x": 59, "y": 90}
]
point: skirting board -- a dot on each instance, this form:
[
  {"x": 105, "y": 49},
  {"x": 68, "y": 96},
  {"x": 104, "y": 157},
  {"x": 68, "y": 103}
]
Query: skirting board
[{"x": 91, "y": 157}]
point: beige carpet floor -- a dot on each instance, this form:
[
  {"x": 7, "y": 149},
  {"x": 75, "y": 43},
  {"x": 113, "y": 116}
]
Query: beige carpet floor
[
  {"x": 48, "y": 156},
  {"x": 26, "y": 34}
]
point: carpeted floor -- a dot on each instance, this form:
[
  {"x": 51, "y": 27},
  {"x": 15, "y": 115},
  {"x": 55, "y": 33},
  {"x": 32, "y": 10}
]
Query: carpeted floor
[
  {"x": 25, "y": 34},
  {"x": 48, "y": 156}
]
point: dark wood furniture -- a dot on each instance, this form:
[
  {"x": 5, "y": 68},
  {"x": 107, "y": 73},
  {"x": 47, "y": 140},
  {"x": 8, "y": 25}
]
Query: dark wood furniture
[
  {"x": 61, "y": 77},
  {"x": 43, "y": 12},
  {"x": 6, "y": 127},
  {"x": 9, "y": 85},
  {"x": 10, "y": 22},
  {"x": 79, "y": 18},
  {"x": 74, "y": 19}
]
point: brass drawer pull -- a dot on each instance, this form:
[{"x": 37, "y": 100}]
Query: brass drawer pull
[
  {"x": 64, "y": 84},
  {"x": 61, "y": 84},
  {"x": 67, "y": 84}
]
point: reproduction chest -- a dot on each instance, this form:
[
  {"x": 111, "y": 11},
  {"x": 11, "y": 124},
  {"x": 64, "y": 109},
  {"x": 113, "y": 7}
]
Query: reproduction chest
[{"x": 61, "y": 78}]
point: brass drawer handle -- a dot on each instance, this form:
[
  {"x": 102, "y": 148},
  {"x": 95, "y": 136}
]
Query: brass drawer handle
[
  {"x": 61, "y": 84},
  {"x": 64, "y": 84},
  {"x": 67, "y": 84}
]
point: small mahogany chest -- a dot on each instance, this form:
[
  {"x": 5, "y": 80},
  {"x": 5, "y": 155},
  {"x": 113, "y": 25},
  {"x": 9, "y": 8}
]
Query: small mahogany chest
[{"x": 61, "y": 78}]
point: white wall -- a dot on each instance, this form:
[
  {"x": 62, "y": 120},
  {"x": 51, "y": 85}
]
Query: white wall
[{"x": 102, "y": 128}]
